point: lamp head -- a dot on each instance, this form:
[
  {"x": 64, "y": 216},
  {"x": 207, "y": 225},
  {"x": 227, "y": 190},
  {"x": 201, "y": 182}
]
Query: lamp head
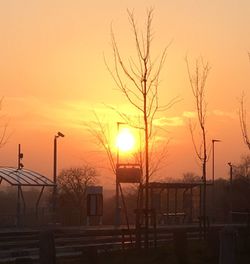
[
  {"x": 59, "y": 134},
  {"x": 216, "y": 140}
]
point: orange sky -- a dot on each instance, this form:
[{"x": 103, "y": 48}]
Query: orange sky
[{"x": 52, "y": 75}]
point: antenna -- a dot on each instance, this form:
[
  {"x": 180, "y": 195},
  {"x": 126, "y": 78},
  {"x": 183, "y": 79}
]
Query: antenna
[{"x": 20, "y": 157}]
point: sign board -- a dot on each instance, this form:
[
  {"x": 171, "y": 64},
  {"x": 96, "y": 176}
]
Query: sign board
[
  {"x": 94, "y": 200},
  {"x": 128, "y": 174},
  {"x": 94, "y": 205},
  {"x": 94, "y": 190}
]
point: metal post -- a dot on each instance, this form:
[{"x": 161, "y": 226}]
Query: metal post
[
  {"x": 19, "y": 167},
  {"x": 117, "y": 199},
  {"x": 59, "y": 134},
  {"x": 213, "y": 141},
  {"x": 213, "y": 176},
  {"x": 18, "y": 207},
  {"x": 54, "y": 174},
  {"x": 19, "y": 157},
  {"x": 191, "y": 205},
  {"x": 167, "y": 206},
  {"x": 175, "y": 206},
  {"x": 231, "y": 191}
]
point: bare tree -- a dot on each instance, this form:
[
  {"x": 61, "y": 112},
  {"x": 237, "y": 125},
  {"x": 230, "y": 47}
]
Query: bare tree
[
  {"x": 4, "y": 136},
  {"x": 100, "y": 131},
  {"x": 197, "y": 79},
  {"x": 242, "y": 169},
  {"x": 190, "y": 177},
  {"x": 243, "y": 121},
  {"x": 73, "y": 183},
  {"x": 138, "y": 81}
]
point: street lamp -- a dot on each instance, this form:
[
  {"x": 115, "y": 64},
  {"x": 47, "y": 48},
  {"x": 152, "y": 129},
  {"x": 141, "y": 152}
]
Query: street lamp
[
  {"x": 213, "y": 141},
  {"x": 59, "y": 134},
  {"x": 231, "y": 190},
  {"x": 117, "y": 207}
]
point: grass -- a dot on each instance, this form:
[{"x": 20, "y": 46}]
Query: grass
[{"x": 197, "y": 252}]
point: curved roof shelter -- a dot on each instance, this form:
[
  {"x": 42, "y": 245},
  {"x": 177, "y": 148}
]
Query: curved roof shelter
[{"x": 24, "y": 177}]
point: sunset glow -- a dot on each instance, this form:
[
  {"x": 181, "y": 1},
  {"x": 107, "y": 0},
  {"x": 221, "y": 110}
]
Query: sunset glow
[
  {"x": 125, "y": 140},
  {"x": 53, "y": 77}
]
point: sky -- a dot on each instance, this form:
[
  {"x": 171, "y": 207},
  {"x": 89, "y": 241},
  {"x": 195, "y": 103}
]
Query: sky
[{"x": 53, "y": 77}]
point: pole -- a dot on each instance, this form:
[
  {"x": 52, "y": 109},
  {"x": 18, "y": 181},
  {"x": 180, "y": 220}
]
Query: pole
[
  {"x": 19, "y": 157},
  {"x": 213, "y": 175},
  {"x": 59, "y": 134},
  {"x": 18, "y": 207},
  {"x": 213, "y": 157},
  {"x": 54, "y": 175},
  {"x": 117, "y": 207},
  {"x": 19, "y": 167},
  {"x": 213, "y": 161},
  {"x": 231, "y": 191}
]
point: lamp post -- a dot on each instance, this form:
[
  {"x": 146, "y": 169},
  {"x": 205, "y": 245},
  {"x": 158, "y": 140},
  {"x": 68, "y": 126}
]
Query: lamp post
[
  {"x": 213, "y": 157},
  {"x": 117, "y": 207},
  {"x": 59, "y": 134},
  {"x": 231, "y": 190},
  {"x": 213, "y": 175}
]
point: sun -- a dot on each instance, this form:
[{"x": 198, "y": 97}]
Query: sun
[{"x": 125, "y": 140}]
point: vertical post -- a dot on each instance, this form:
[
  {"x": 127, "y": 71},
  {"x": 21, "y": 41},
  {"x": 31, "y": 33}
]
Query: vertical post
[
  {"x": 146, "y": 182},
  {"x": 213, "y": 175},
  {"x": 47, "y": 251},
  {"x": 231, "y": 191},
  {"x": 117, "y": 194},
  {"x": 59, "y": 134},
  {"x": 19, "y": 167},
  {"x": 167, "y": 205},
  {"x": 213, "y": 160},
  {"x": 151, "y": 206},
  {"x": 117, "y": 210},
  {"x": 175, "y": 205},
  {"x": 204, "y": 209},
  {"x": 200, "y": 211},
  {"x": 54, "y": 175},
  {"x": 228, "y": 246},
  {"x": 19, "y": 157},
  {"x": 191, "y": 204},
  {"x": 18, "y": 207}
]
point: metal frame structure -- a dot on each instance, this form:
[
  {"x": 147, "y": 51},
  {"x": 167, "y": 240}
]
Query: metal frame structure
[
  {"x": 24, "y": 178},
  {"x": 162, "y": 186}
]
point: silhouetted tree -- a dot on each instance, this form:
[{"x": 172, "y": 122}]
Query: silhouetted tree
[
  {"x": 197, "y": 80},
  {"x": 243, "y": 168},
  {"x": 100, "y": 130},
  {"x": 73, "y": 183},
  {"x": 191, "y": 177},
  {"x": 243, "y": 121},
  {"x": 3, "y": 127},
  {"x": 138, "y": 81}
]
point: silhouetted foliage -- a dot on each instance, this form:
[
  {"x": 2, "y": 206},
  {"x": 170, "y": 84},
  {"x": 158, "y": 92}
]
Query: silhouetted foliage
[
  {"x": 73, "y": 183},
  {"x": 243, "y": 121},
  {"x": 138, "y": 81},
  {"x": 191, "y": 177},
  {"x": 243, "y": 168},
  {"x": 3, "y": 129},
  {"x": 198, "y": 79}
]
